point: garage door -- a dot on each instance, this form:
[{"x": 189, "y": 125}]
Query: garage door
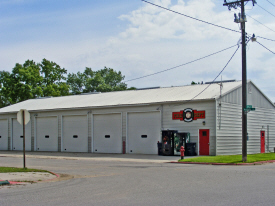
[
  {"x": 107, "y": 136},
  {"x": 17, "y": 136},
  {"x": 3, "y": 134},
  {"x": 46, "y": 134},
  {"x": 75, "y": 133},
  {"x": 143, "y": 132}
]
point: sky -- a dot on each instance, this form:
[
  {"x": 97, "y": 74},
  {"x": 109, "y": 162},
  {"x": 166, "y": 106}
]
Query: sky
[{"x": 140, "y": 39}]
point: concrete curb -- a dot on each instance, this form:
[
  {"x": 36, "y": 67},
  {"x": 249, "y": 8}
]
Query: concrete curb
[
  {"x": 6, "y": 182},
  {"x": 57, "y": 176},
  {"x": 235, "y": 164}
]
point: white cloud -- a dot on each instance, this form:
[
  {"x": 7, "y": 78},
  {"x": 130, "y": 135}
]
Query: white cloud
[{"x": 153, "y": 39}]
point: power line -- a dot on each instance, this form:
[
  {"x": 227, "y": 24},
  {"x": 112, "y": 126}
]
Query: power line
[
  {"x": 218, "y": 74},
  {"x": 265, "y": 10},
  {"x": 270, "y": 3},
  {"x": 260, "y": 23},
  {"x": 265, "y": 38},
  {"x": 265, "y": 47},
  {"x": 200, "y": 19},
  {"x": 181, "y": 64},
  {"x": 191, "y": 17}
]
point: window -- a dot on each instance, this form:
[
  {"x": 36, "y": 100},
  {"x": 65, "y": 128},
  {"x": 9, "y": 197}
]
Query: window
[
  {"x": 47, "y": 136},
  {"x": 107, "y": 136},
  {"x": 144, "y": 136},
  {"x": 204, "y": 133},
  {"x": 75, "y": 136}
]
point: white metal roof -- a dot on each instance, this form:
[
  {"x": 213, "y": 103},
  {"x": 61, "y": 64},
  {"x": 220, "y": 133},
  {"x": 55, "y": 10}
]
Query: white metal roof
[{"x": 125, "y": 98}]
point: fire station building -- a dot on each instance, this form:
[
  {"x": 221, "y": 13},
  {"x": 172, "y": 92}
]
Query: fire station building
[{"x": 134, "y": 121}]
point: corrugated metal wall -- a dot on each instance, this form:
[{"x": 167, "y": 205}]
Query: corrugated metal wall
[
  {"x": 59, "y": 115},
  {"x": 224, "y": 120},
  {"x": 194, "y": 126},
  {"x": 254, "y": 97},
  {"x": 229, "y": 122}
]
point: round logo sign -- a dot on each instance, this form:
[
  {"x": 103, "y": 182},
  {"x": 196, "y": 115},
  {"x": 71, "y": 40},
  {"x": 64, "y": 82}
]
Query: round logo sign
[{"x": 188, "y": 115}]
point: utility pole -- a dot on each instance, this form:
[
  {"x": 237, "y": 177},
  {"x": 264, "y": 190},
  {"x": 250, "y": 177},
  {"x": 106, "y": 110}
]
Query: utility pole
[{"x": 242, "y": 19}]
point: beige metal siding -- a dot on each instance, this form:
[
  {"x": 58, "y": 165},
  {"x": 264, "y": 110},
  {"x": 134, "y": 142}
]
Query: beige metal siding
[
  {"x": 229, "y": 136},
  {"x": 4, "y": 134},
  {"x": 32, "y": 132},
  {"x": 229, "y": 133},
  {"x": 194, "y": 126},
  {"x": 254, "y": 97},
  {"x": 89, "y": 132}
]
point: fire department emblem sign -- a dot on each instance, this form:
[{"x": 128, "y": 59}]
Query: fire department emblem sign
[{"x": 188, "y": 115}]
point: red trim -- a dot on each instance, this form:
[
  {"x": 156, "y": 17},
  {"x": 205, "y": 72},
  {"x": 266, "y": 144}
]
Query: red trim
[
  {"x": 199, "y": 114},
  {"x": 196, "y": 115},
  {"x": 124, "y": 147},
  {"x": 177, "y": 115}
]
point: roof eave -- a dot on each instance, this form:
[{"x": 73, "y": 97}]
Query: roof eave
[{"x": 112, "y": 106}]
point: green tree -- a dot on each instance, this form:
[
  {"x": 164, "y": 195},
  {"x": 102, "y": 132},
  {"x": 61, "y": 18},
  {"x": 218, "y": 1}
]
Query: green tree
[
  {"x": 76, "y": 82},
  {"x": 32, "y": 80},
  {"x": 53, "y": 83},
  {"x": 24, "y": 82},
  {"x": 104, "y": 80}
]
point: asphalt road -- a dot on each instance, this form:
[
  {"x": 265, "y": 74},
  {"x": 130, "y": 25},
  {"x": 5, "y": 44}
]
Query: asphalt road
[{"x": 94, "y": 182}]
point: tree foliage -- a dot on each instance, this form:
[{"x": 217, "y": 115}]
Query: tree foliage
[
  {"x": 33, "y": 80},
  {"x": 104, "y": 80}
]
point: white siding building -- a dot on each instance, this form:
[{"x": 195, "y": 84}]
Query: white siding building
[{"x": 132, "y": 121}]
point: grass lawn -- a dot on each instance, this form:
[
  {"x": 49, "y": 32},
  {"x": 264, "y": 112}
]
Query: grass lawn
[
  {"x": 232, "y": 158},
  {"x": 14, "y": 169}
]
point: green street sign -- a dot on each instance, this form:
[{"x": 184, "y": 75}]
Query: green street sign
[
  {"x": 248, "y": 106},
  {"x": 249, "y": 109}
]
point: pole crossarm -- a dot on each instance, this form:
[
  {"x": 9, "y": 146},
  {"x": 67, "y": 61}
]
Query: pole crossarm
[{"x": 236, "y": 4}]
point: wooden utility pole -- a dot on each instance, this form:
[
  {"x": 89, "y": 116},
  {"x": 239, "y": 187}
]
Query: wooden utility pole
[
  {"x": 242, "y": 19},
  {"x": 244, "y": 80}
]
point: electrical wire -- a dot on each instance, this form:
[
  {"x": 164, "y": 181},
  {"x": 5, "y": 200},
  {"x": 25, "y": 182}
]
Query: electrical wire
[
  {"x": 265, "y": 47},
  {"x": 271, "y": 3},
  {"x": 218, "y": 74},
  {"x": 265, "y": 38},
  {"x": 182, "y": 64},
  {"x": 201, "y": 20},
  {"x": 260, "y": 23},
  {"x": 265, "y": 10},
  {"x": 191, "y": 17}
]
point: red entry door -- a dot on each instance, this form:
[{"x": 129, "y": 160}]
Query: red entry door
[
  {"x": 204, "y": 141},
  {"x": 262, "y": 141}
]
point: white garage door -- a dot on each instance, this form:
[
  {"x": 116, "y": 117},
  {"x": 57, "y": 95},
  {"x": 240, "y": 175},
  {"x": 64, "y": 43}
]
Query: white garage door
[
  {"x": 3, "y": 134},
  {"x": 17, "y": 136},
  {"x": 75, "y": 133},
  {"x": 143, "y": 132},
  {"x": 46, "y": 134},
  {"x": 107, "y": 133}
]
